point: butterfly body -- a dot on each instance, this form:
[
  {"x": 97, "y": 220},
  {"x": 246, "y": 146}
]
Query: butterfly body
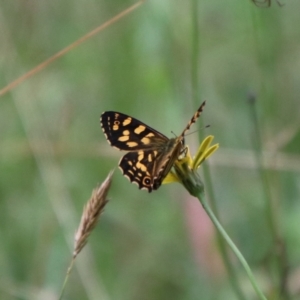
[{"x": 151, "y": 154}]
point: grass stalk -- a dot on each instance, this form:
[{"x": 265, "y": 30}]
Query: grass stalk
[
  {"x": 89, "y": 218},
  {"x": 265, "y": 48},
  {"x": 70, "y": 47},
  {"x": 278, "y": 244},
  {"x": 195, "y": 55}
]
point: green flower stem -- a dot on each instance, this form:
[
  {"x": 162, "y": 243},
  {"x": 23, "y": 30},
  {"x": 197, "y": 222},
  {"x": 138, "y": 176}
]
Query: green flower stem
[
  {"x": 193, "y": 183},
  {"x": 239, "y": 255},
  {"x": 190, "y": 180},
  {"x": 224, "y": 251}
]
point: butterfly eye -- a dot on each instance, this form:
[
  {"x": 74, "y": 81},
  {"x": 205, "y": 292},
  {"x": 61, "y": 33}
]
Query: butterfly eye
[{"x": 146, "y": 181}]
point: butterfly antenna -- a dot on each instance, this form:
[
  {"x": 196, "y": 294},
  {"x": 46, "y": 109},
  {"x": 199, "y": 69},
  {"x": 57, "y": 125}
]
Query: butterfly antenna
[
  {"x": 174, "y": 133},
  {"x": 194, "y": 118},
  {"x": 204, "y": 127}
]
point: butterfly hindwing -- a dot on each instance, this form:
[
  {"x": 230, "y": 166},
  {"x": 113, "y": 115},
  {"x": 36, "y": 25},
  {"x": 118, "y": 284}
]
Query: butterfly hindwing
[{"x": 136, "y": 166}]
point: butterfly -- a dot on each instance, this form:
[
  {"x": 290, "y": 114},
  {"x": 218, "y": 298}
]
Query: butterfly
[{"x": 151, "y": 154}]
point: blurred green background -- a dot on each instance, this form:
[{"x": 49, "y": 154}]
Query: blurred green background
[{"x": 53, "y": 152}]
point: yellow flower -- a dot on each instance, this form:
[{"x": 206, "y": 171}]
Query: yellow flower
[{"x": 184, "y": 170}]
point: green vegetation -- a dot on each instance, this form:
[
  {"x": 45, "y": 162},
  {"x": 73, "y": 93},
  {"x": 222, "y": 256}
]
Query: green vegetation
[{"x": 157, "y": 63}]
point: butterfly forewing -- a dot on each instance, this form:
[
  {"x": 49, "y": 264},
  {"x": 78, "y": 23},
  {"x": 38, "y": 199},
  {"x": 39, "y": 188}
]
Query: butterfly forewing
[
  {"x": 127, "y": 133},
  {"x": 151, "y": 154}
]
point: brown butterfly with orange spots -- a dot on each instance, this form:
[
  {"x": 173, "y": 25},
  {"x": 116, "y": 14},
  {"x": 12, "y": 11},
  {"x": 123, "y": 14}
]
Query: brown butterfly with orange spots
[{"x": 151, "y": 154}]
